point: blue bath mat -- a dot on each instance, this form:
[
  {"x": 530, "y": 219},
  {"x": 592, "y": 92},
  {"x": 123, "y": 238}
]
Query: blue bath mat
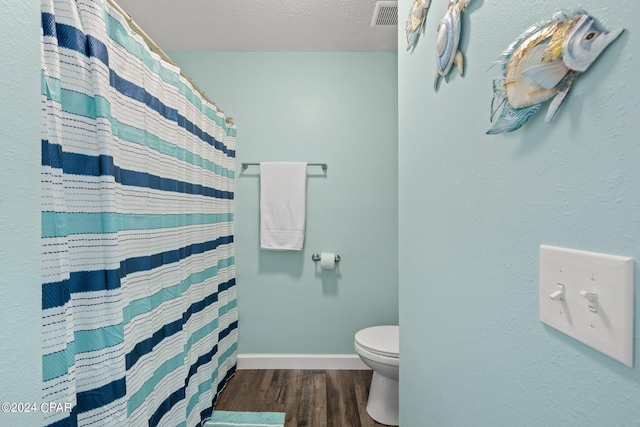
[{"x": 245, "y": 419}]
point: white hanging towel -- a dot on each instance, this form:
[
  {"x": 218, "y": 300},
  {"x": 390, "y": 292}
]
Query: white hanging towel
[{"x": 283, "y": 203}]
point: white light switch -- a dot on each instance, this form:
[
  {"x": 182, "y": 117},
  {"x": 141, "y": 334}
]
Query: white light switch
[{"x": 589, "y": 296}]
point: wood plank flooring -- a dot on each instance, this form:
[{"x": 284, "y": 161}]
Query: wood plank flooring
[{"x": 308, "y": 397}]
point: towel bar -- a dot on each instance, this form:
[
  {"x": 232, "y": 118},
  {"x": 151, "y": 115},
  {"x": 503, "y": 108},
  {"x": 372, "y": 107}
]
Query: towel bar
[{"x": 322, "y": 165}]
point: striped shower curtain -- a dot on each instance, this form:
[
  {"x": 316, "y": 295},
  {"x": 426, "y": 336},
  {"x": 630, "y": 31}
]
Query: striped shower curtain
[{"x": 138, "y": 294}]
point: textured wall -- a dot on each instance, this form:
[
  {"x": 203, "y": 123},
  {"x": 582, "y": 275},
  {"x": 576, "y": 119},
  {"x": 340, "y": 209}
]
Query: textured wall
[
  {"x": 338, "y": 108},
  {"x": 20, "y": 360},
  {"x": 473, "y": 210}
]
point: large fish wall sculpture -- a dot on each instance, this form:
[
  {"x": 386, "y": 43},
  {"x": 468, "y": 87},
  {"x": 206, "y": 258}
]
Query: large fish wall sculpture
[
  {"x": 447, "y": 53},
  {"x": 543, "y": 63},
  {"x": 415, "y": 23}
]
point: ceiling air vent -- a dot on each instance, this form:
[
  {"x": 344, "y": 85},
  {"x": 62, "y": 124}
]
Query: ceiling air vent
[{"x": 385, "y": 14}]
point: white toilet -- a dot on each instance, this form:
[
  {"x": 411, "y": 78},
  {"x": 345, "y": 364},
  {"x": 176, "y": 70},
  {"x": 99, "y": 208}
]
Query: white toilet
[{"x": 378, "y": 347}]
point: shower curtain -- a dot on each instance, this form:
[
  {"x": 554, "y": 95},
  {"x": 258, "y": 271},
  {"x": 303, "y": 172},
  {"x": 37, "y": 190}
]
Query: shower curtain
[{"x": 138, "y": 294}]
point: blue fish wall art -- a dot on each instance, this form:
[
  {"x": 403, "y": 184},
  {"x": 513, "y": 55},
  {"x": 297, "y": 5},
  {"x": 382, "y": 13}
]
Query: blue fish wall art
[
  {"x": 543, "y": 63},
  {"x": 415, "y": 22},
  {"x": 447, "y": 53}
]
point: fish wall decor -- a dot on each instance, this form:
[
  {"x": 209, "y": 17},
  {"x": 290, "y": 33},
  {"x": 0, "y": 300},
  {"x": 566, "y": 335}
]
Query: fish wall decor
[
  {"x": 447, "y": 53},
  {"x": 415, "y": 23},
  {"x": 543, "y": 63}
]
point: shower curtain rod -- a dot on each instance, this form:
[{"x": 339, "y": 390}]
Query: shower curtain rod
[{"x": 156, "y": 48}]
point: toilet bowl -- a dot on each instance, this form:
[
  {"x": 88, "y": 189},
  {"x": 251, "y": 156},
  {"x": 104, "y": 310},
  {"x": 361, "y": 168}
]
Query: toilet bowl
[{"x": 378, "y": 348}]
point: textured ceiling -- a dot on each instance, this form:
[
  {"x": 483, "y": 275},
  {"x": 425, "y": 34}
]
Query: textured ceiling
[{"x": 273, "y": 25}]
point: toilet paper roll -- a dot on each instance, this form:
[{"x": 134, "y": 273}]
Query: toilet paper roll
[{"x": 327, "y": 260}]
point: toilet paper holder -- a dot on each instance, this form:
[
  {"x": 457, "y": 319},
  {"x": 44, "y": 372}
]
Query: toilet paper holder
[{"x": 316, "y": 257}]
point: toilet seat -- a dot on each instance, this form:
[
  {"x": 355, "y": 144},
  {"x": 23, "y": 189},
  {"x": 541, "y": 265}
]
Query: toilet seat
[
  {"x": 380, "y": 340},
  {"x": 378, "y": 348}
]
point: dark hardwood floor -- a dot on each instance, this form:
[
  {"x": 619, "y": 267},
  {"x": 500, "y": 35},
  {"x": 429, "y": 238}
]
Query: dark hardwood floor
[{"x": 308, "y": 397}]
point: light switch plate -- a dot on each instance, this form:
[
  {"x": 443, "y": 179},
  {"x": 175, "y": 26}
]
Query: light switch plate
[{"x": 589, "y": 296}]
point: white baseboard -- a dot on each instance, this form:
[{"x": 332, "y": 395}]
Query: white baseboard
[{"x": 301, "y": 361}]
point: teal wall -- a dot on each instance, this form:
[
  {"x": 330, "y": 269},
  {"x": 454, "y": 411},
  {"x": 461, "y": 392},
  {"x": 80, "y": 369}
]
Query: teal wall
[
  {"x": 473, "y": 210},
  {"x": 338, "y": 108},
  {"x": 20, "y": 362}
]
